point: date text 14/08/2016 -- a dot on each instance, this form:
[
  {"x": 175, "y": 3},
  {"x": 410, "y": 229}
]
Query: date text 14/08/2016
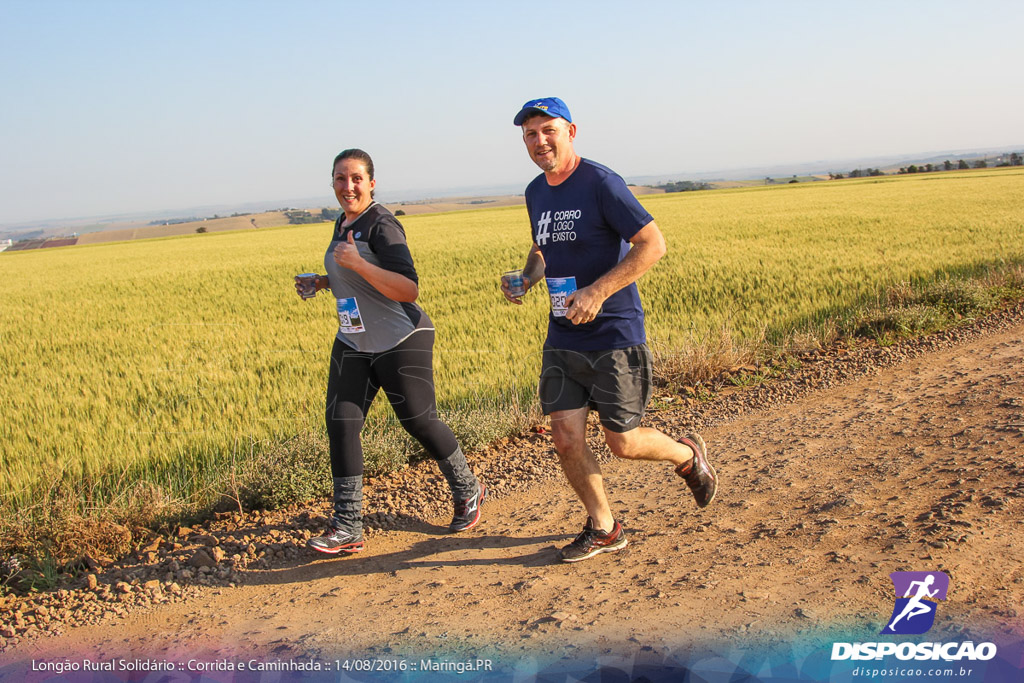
[{"x": 394, "y": 664}]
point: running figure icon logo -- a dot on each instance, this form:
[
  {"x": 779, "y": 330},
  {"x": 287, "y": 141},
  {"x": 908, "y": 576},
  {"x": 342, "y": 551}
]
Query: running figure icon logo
[{"x": 916, "y": 596}]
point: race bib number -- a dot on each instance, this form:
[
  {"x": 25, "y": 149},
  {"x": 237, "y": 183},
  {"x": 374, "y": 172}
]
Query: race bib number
[
  {"x": 559, "y": 289},
  {"x": 348, "y": 316}
]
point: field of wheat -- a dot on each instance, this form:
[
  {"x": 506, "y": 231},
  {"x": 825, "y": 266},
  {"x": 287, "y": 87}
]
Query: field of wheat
[{"x": 174, "y": 360}]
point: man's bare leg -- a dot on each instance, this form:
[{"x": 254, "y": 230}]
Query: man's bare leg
[
  {"x": 569, "y": 432},
  {"x": 646, "y": 443}
]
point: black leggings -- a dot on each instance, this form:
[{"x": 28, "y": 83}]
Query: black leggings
[{"x": 407, "y": 376}]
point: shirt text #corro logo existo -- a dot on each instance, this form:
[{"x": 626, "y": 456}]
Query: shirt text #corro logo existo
[{"x": 557, "y": 226}]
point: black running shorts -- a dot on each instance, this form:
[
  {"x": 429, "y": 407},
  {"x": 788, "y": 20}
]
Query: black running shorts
[{"x": 616, "y": 383}]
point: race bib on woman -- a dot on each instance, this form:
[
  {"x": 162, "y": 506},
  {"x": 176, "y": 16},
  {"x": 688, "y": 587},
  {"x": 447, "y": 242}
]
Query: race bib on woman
[
  {"x": 348, "y": 316},
  {"x": 559, "y": 289}
]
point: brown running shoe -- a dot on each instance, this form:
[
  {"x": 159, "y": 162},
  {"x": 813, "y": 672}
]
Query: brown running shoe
[
  {"x": 698, "y": 473},
  {"x": 593, "y": 541}
]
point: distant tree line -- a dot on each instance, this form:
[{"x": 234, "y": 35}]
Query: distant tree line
[
  {"x": 300, "y": 217},
  {"x": 1014, "y": 159},
  {"x": 768, "y": 180},
  {"x": 683, "y": 186},
  {"x": 857, "y": 173}
]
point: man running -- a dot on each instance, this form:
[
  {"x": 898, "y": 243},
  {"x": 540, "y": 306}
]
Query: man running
[{"x": 584, "y": 220}]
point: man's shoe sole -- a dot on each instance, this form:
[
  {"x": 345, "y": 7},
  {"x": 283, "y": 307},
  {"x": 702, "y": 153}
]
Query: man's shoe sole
[
  {"x": 347, "y": 548},
  {"x": 613, "y": 548}
]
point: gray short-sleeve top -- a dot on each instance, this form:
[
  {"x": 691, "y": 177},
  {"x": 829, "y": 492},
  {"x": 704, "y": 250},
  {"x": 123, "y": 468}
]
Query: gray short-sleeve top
[{"x": 368, "y": 321}]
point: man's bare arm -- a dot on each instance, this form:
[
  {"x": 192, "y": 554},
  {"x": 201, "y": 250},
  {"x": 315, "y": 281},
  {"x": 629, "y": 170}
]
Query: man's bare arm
[
  {"x": 533, "y": 272},
  {"x": 648, "y": 247}
]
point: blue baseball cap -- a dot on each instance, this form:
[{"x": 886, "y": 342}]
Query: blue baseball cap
[{"x": 549, "y": 106}]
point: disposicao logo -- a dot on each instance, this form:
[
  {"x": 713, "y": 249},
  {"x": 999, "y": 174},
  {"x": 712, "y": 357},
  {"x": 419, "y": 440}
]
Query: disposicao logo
[
  {"x": 916, "y": 596},
  {"x": 912, "y": 614}
]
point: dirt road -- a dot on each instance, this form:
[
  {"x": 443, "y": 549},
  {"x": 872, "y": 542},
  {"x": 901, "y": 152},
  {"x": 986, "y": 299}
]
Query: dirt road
[{"x": 868, "y": 461}]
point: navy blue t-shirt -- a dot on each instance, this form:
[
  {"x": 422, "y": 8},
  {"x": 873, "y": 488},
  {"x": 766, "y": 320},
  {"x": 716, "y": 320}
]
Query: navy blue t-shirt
[{"x": 583, "y": 227}]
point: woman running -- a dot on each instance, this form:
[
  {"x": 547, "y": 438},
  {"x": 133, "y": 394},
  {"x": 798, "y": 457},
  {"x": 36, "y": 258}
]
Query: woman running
[{"x": 384, "y": 341}]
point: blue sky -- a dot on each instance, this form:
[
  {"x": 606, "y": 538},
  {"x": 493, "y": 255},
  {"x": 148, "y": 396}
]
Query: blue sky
[{"x": 123, "y": 106}]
